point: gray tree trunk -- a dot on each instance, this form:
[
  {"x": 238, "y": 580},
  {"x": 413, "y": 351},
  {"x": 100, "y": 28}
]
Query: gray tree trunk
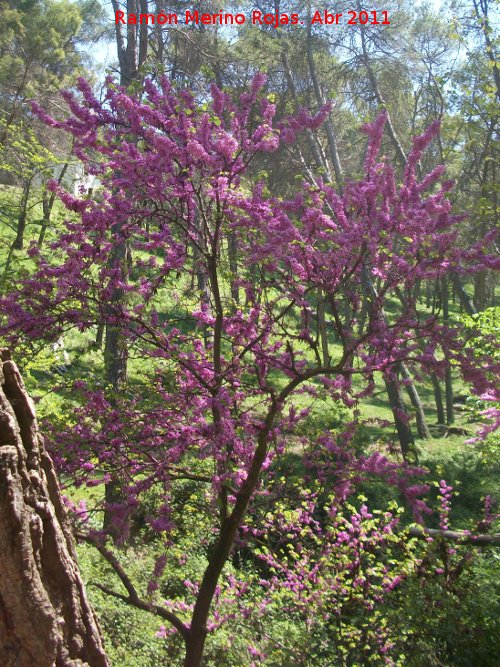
[
  {"x": 23, "y": 214},
  {"x": 398, "y": 407},
  {"x": 438, "y": 397},
  {"x": 45, "y": 618},
  {"x": 422, "y": 428},
  {"x": 320, "y": 99},
  {"x": 448, "y": 379}
]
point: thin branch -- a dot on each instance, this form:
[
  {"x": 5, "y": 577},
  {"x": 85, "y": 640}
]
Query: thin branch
[
  {"x": 146, "y": 606},
  {"x": 133, "y": 598}
]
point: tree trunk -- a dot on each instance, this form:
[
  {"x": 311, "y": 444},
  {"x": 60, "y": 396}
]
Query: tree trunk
[
  {"x": 233, "y": 267},
  {"x": 392, "y": 385},
  {"x": 45, "y": 618},
  {"x": 323, "y": 334},
  {"x": 375, "y": 87},
  {"x": 429, "y": 293},
  {"x": 480, "y": 290},
  {"x": 438, "y": 397},
  {"x": 312, "y": 139},
  {"x": 131, "y": 57},
  {"x": 115, "y": 370},
  {"x": 99, "y": 337},
  {"x": 21, "y": 220},
  {"x": 396, "y": 401},
  {"x": 48, "y": 205},
  {"x": 448, "y": 385},
  {"x": 6, "y": 270},
  {"x": 422, "y": 428},
  {"x": 47, "y": 209},
  {"x": 481, "y": 11},
  {"x": 448, "y": 382},
  {"x": 320, "y": 99},
  {"x": 194, "y": 650},
  {"x": 465, "y": 300}
]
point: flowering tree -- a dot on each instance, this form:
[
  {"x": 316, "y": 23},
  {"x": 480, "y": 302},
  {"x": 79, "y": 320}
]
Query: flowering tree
[{"x": 220, "y": 294}]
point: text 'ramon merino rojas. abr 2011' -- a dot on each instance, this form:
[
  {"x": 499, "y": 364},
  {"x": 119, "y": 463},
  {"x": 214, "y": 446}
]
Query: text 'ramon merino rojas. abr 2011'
[{"x": 255, "y": 17}]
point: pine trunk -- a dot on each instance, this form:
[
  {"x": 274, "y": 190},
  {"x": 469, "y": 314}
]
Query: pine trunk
[{"x": 45, "y": 618}]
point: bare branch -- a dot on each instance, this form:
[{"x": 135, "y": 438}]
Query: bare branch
[
  {"x": 146, "y": 606},
  {"x": 133, "y": 598}
]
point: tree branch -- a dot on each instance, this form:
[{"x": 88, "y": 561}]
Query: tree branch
[
  {"x": 133, "y": 598},
  {"x": 146, "y": 606},
  {"x": 456, "y": 536}
]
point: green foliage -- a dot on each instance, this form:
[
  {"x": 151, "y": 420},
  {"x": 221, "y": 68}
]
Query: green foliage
[
  {"x": 485, "y": 332},
  {"x": 15, "y": 264},
  {"x": 39, "y": 40},
  {"x": 450, "y": 616},
  {"x": 24, "y": 156},
  {"x": 444, "y": 611}
]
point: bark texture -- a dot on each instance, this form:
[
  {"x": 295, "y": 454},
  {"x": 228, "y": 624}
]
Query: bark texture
[{"x": 45, "y": 618}]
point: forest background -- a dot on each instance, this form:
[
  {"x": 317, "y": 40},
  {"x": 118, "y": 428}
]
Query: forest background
[{"x": 289, "y": 593}]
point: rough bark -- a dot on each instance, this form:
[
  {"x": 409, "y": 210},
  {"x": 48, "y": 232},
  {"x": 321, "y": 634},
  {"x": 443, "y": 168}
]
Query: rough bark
[
  {"x": 45, "y": 618},
  {"x": 448, "y": 385}
]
